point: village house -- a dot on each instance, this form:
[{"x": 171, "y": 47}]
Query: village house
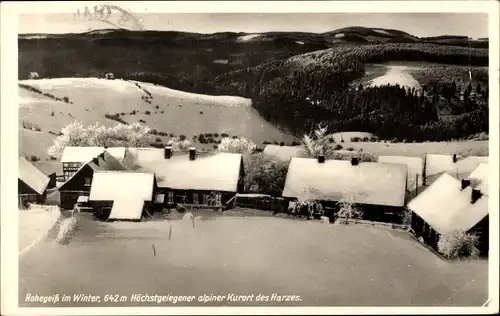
[
  {"x": 80, "y": 182},
  {"x": 74, "y": 157},
  {"x": 52, "y": 169},
  {"x": 31, "y": 185},
  {"x": 450, "y": 205},
  {"x": 121, "y": 195},
  {"x": 376, "y": 188},
  {"x": 454, "y": 165},
  {"x": 415, "y": 168},
  {"x": 208, "y": 180}
]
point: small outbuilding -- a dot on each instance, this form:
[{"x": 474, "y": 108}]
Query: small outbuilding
[
  {"x": 31, "y": 185},
  {"x": 121, "y": 195}
]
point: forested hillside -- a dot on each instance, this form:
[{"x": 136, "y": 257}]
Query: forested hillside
[{"x": 295, "y": 80}]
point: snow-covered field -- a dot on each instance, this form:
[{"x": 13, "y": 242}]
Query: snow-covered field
[
  {"x": 34, "y": 224},
  {"x": 168, "y": 111},
  {"x": 324, "y": 264},
  {"x": 247, "y": 37},
  {"x": 396, "y": 74}
]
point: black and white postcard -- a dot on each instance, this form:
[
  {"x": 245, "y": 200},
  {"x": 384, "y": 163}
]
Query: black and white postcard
[{"x": 250, "y": 157}]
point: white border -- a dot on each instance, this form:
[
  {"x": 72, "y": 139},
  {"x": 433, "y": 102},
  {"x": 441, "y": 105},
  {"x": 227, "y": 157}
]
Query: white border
[{"x": 9, "y": 111}]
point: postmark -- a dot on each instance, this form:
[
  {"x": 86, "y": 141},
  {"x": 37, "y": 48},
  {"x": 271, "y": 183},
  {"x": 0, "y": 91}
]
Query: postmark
[{"x": 110, "y": 14}]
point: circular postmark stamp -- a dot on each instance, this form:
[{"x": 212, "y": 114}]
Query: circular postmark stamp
[{"x": 110, "y": 14}]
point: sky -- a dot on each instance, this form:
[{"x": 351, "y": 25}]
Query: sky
[{"x": 474, "y": 25}]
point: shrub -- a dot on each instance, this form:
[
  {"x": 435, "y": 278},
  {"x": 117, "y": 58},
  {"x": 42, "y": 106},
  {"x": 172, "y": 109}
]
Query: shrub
[
  {"x": 224, "y": 135},
  {"x": 331, "y": 140},
  {"x": 52, "y": 113},
  {"x": 201, "y": 112},
  {"x": 215, "y": 146},
  {"x": 266, "y": 142},
  {"x": 162, "y": 111},
  {"x": 295, "y": 143},
  {"x": 350, "y": 149},
  {"x": 157, "y": 107},
  {"x": 133, "y": 112},
  {"x": 123, "y": 113},
  {"x": 158, "y": 139},
  {"x": 180, "y": 105},
  {"x": 182, "y": 137},
  {"x": 180, "y": 208},
  {"x": 348, "y": 210},
  {"x": 67, "y": 229},
  {"x": 355, "y": 139},
  {"x": 406, "y": 217},
  {"x": 153, "y": 131},
  {"x": 202, "y": 139},
  {"x": 458, "y": 245},
  {"x": 306, "y": 206},
  {"x": 172, "y": 135},
  {"x": 282, "y": 144},
  {"x": 66, "y": 99},
  {"x": 147, "y": 112},
  {"x": 34, "y": 158},
  {"x": 366, "y": 139},
  {"x": 337, "y": 147},
  {"x": 216, "y": 135},
  {"x": 236, "y": 137},
  {"x": 142, "y": 121}
]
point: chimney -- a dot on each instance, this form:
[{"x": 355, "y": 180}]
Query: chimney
[
  {"x": 465, "y": 183},
  {"x": 192, "y": 153},
  {"x": 321, "y": 158},
  {"x": 454, "y": 158},
  {"x": 475, "y": 195},
  {"x": 354, "y": 161},
  {"x": 168, "y": 152}
]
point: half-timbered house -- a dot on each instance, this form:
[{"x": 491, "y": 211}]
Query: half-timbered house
[{"x": 80, "y": 182}]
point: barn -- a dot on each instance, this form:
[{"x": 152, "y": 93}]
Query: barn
[
  {"x": 450, "y": 205},
  {"x": 121, "y": 195},
  {"x": 377, "y": 188},
  {"x": 208, "y": 180},
  {"x": 79, "y": 183},
  {"x": 31, "y": 185}
]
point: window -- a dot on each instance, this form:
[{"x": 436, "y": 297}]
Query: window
[
  {"x": 87, "y": 181},
  {"x": 195, "y": 198},
  {"x": 160, "y": 198},
  {"x": 218, "y": 198},
  {"x": 206, "y": 199},
  {"x": 170, "y": 197}
]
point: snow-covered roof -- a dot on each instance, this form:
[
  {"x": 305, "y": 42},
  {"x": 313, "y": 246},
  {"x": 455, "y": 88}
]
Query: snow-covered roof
[
  {"x": 120, "y": 185},
  {"x": 365, "y": 183},
  {"x": 437, "y": 163},
  {"x": 283, "y": 152},
  {"x": 479, "y": 178},
  {"x": 415, "y": 167},
  {"x": 209, "y": 171},
  {"x": 32, "y": 176},
  {"x": 447, "y": 208}
]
